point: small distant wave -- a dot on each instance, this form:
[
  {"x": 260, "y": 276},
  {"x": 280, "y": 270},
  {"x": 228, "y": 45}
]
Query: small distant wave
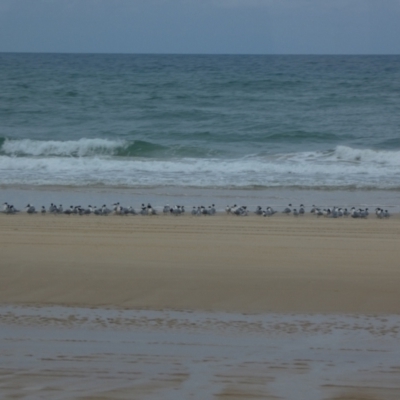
[{"x": 299, "y": 136}]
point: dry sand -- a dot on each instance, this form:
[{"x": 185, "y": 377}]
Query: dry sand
[{"x": 222, "y": 263}]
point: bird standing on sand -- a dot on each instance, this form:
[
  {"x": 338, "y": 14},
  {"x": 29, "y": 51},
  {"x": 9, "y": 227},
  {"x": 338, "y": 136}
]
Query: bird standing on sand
[
  {"x": 30, "y": 209},
  {"x": 287, "y": 210}
]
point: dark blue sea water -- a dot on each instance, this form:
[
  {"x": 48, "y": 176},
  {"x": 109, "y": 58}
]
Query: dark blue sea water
[{"x": 198, "y": 121}]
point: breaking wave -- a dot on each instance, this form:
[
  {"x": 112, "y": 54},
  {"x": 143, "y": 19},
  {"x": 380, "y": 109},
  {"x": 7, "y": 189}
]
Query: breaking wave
[
  {"x": 134, "y": 164},
  {"x": 77, "y": 148}
]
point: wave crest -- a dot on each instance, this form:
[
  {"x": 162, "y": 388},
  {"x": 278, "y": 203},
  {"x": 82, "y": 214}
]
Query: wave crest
[
  {"x": 53, "y": 148},
  {"x": 100, "y": 148}
]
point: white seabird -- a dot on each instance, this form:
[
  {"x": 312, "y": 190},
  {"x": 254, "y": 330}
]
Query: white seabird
[{"x": 30, "y": 209}]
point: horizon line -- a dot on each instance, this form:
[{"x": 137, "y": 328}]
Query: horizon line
[{"x": 196, "y": 54}]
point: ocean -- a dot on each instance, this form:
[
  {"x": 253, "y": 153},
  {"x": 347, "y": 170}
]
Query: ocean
[{"x": 160, "y": 126}]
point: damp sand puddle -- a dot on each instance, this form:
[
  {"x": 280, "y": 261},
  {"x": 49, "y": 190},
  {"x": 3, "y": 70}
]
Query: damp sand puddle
[{"x": 64, "y": 353}]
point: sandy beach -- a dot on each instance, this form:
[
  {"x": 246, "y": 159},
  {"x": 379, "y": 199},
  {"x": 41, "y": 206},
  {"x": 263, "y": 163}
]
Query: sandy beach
[
  {"x": 222, "y": 263},
  {"x": 184, "y": 307}
]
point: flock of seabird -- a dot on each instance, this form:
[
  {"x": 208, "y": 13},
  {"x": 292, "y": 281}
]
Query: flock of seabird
[
  {"x": 118, "y": 209},
  {"x": 333, "y": 212}
]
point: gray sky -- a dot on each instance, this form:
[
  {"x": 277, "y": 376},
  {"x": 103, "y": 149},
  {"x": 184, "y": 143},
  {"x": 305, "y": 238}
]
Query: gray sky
[{"x": 201, "y": 26}]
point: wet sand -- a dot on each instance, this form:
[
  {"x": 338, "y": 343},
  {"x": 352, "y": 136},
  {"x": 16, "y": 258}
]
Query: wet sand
[
  {"x": 221, "y": 263},
  {"x": 61, "y": 353},
  {"x": 199, "y": 307}
]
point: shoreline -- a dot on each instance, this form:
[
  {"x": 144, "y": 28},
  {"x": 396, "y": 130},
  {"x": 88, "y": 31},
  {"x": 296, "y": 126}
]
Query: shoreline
[
  {"x": 278, "y": 198},
  {"x": 219, "y": 263}
]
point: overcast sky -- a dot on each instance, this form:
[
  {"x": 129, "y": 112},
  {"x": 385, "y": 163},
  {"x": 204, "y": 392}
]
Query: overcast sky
[{"x": 201, "y": 26}]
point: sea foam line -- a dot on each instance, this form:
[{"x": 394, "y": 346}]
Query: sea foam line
[
  {"x": 289, "y": 171},
  {"x": 98, "y": 147}
]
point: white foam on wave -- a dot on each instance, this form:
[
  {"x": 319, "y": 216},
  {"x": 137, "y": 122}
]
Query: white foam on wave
[
  {"x": 104, "y": 147},
  {"x": 77, "y": 148},
  {"x": 344, "y": 156},
  {"x": 340, "y": 168},
  {"x": 384, "y": 157}
]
